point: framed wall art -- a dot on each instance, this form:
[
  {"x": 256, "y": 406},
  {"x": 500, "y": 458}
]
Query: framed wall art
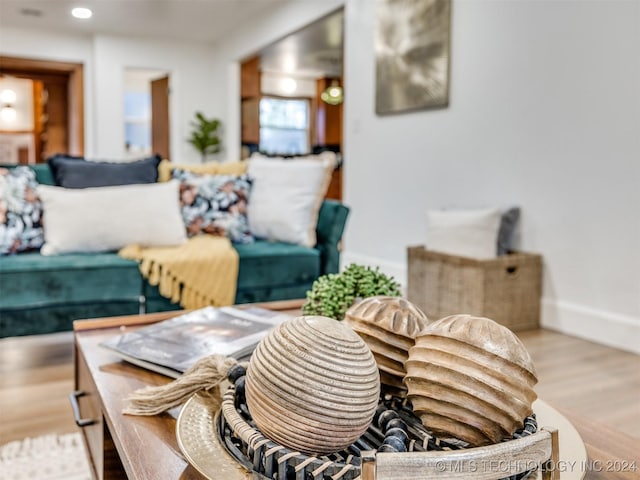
[{"x": 412, "y": 55}]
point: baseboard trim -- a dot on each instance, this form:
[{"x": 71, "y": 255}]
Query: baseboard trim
[{"x": 599, "y": 326}]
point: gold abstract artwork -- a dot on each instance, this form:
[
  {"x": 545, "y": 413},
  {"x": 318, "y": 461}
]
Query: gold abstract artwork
[{"x": 412, "y": 55}]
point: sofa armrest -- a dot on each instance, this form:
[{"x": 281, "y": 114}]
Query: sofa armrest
[{"x": 331, "y": 223}]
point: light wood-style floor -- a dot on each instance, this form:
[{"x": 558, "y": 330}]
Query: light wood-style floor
[{"x": 602, "y": 383}]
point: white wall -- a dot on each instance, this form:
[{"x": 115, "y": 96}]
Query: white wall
[
  {"x": 105, "y": 59},
  {"x": 190, "y": 72},
  {"x": 60, "y": 47},
  {"x": 544, "y": 113}
]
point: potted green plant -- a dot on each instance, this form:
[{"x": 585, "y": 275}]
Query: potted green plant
[
  {"x": 331, "y": 295},
  {"x": 205, "y": 135}
]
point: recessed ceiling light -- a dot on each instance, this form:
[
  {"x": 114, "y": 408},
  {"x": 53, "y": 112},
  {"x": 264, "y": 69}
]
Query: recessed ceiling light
[{"x": 81, "y": 12}]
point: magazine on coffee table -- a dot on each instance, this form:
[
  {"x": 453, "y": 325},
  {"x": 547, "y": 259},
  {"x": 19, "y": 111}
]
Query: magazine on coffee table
[{"x": 173, "y": 346}]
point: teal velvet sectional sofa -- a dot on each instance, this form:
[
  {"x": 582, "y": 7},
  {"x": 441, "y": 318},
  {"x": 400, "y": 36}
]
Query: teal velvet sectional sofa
[{"x": 44, "y": 294}]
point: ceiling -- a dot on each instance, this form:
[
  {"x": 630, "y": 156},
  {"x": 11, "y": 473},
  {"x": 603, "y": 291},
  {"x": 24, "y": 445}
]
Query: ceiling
[
  {"x": 313, "y": 51},
  {"x": 194, "y": 20}
]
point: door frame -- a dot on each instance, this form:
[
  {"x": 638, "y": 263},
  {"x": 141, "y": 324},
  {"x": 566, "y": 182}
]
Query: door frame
[{"x": 31, "y": 68}]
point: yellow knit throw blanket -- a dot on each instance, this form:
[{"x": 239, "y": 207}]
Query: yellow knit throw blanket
[{"x": 201, "y": 272}]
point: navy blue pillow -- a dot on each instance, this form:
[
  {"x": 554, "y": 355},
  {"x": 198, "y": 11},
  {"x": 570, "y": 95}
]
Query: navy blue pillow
[
  {"x": 76, "y": 172},
  {"x": 506, "y": 234}
]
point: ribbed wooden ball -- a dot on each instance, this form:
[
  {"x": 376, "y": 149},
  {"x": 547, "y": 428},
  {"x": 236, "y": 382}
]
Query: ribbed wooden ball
[
  {"x": 312, "y": 385},
  {"x": 389, "y": 326},
  {"x": 470, "y": 378}
]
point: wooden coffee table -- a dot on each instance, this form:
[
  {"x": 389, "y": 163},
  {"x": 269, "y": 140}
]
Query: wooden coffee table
[{"x": 122, "y": 446}]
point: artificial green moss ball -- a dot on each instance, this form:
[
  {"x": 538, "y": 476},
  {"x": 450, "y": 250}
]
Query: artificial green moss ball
[{"x": 331, "y": 295}]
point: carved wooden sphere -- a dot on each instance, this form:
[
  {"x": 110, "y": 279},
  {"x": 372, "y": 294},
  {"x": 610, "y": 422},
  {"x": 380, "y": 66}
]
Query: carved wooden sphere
[
  {"x": 312, "y": 385},
  {"x": 470, "y": 378},
  {"x": 388, "y": 325}
]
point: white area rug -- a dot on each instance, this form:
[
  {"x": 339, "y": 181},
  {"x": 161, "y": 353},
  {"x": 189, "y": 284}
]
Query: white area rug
[{"x": 50, "y": 457}]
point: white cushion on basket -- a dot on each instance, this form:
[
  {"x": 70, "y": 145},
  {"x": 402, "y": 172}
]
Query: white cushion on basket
[
  {"x": 109, "y": 218},
  {"x": 467, "y": 233},
  {"x": 286, "y": 197}
]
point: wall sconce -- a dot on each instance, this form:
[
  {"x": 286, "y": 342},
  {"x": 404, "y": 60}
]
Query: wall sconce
[
  {"x": 8, "y": 114},
  {"x": 333, "y": 94}
]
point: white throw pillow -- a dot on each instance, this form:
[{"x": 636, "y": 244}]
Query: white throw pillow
[
  {"x": 468, "y": 233},
  {"x": 108, "y": 218},
  {"x": 286, "y": 196}
]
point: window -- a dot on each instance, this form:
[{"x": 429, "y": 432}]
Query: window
[
  {"x": 137, "y": 122},
  {"x": 284, "y": 126}
]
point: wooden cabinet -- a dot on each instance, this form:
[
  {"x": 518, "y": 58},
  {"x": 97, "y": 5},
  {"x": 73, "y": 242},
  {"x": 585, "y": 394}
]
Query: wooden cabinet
[
  {"x": 251, "y": 120},
  {"x": 250, "y": 78},
  {"x": 57, "y": 139},
  {"x": 250, "y": 92}
]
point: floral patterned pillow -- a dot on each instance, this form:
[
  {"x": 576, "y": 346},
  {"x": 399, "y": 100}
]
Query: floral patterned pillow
[
  {"x": 20, "y": 211},
  {"x": 215, "y": 204}
]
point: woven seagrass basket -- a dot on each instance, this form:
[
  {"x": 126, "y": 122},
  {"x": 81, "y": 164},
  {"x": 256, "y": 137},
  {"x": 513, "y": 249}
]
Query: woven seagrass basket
[{"x": 506, "y": 289}]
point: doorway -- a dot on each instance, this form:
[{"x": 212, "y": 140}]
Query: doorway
[
  {"x": 56, "y": 104},
  {"x": 146, "y": 112},
  {"x": 291, "y": 95}
]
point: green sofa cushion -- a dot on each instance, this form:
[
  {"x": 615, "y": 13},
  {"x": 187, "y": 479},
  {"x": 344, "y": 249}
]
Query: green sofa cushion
[
  {"x": 276, "y": 264},
  {"x": 332, "y": 219},
  {"x": 43, "y": 174},
  {"x": 32, "y": 280}
]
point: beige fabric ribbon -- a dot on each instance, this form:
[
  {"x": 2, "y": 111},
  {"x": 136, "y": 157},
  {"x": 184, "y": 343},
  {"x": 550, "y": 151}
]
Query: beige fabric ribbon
[{"x": 206, "y": 375}]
